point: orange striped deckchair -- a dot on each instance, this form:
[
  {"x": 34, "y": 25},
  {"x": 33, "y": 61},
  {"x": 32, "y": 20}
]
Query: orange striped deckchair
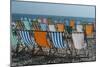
[
  {"x": 89, "y": 29},
  {"x": 72, "y": 24},
  {"x": 41, "y": 39},
  {"x": 60, "y": 27}
]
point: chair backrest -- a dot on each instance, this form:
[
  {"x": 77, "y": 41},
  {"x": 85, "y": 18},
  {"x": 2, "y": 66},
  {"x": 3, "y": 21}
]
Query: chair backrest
[
  {"x": 40, "y": 38},
  {"x": 89, "y": 29},
  {"x": 52, "y": 28},
  {"x": 43, "y": 27},
  {"x": 57, "y": 39},
  {"x": 60, "y": 27},
  {"x": 78, "y": 40},
  {"x": 26, "y": 37}
]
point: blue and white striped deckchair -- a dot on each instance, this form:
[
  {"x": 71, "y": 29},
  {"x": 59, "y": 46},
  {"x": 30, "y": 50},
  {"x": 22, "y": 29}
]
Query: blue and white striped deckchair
[
  {"x": 26, "y": 38},
  {"x": 57, "y": 39},
  {"x": 43, "y": 27}
]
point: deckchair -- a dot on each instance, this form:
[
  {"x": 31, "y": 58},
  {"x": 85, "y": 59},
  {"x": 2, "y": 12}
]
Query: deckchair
[
  {"x": 44, "y": 20},
  {"x": 79, "y": 28},
  {"x": 79, "y": 44},
  {"x": 89, "y": 29},
  {"x": 43, "y": 27},
  {"x": 26, "y": 38},
  {"x": 14, "y": 41},
  {"x": 41, "y": 40},
  {"x": 26, "y": 23},
  {"x": 52, "y": 27},
  {"x": 60, "y": 27},
  {"x": 35, "y": 26},
  {"x": 19, "y": 25},
  {"x": 72, "y": 24},
  {"x": 58, "y": 41}
]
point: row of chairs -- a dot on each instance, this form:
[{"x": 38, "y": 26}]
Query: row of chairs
[{"x": 52, "y": 40}]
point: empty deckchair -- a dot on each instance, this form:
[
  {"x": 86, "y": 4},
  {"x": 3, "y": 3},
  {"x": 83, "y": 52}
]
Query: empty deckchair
[
  {"x": 79, "y": 28},
  {"x": 26, "y": 38},
  {"x": 44, "y": 20},
  {"x": 26, "y": 24},
  {"x": 19, "y": 25},
  {"x": 14, "y": 41},
  {"x": 43, "y": 27},
  {"x": 41, "y": 40},
  {"x": 79, "y": 43},
  {"x": 35, "y": 25},
  {"x": 89, "y": 29},
  {"x": 58, "y": 41},
  {"x": 72, "y": 24},
  {"x": 60, "y": 27},
  {"x": 52, "y": 28}
]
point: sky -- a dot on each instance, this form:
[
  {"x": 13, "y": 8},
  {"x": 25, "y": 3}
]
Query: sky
[{"x": 52, "y": 9}]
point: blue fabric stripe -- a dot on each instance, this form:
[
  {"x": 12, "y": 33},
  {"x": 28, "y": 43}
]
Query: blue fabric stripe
[
  {"x": 58, "y": 40},
  {"x": 28, "y": 37}
]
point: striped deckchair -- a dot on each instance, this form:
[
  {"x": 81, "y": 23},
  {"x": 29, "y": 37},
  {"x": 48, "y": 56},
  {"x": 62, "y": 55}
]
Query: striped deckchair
[
  {"x": 19, "y": 25},
  {"x": 58, "y": 41},
  {"x": 26, "y": 23},
  {"x": 26, "y": 38}
]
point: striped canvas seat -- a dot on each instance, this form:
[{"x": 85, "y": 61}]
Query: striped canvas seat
[
  {"x": 26, "y": 38},
  {"x": 57, "y": 39}
]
